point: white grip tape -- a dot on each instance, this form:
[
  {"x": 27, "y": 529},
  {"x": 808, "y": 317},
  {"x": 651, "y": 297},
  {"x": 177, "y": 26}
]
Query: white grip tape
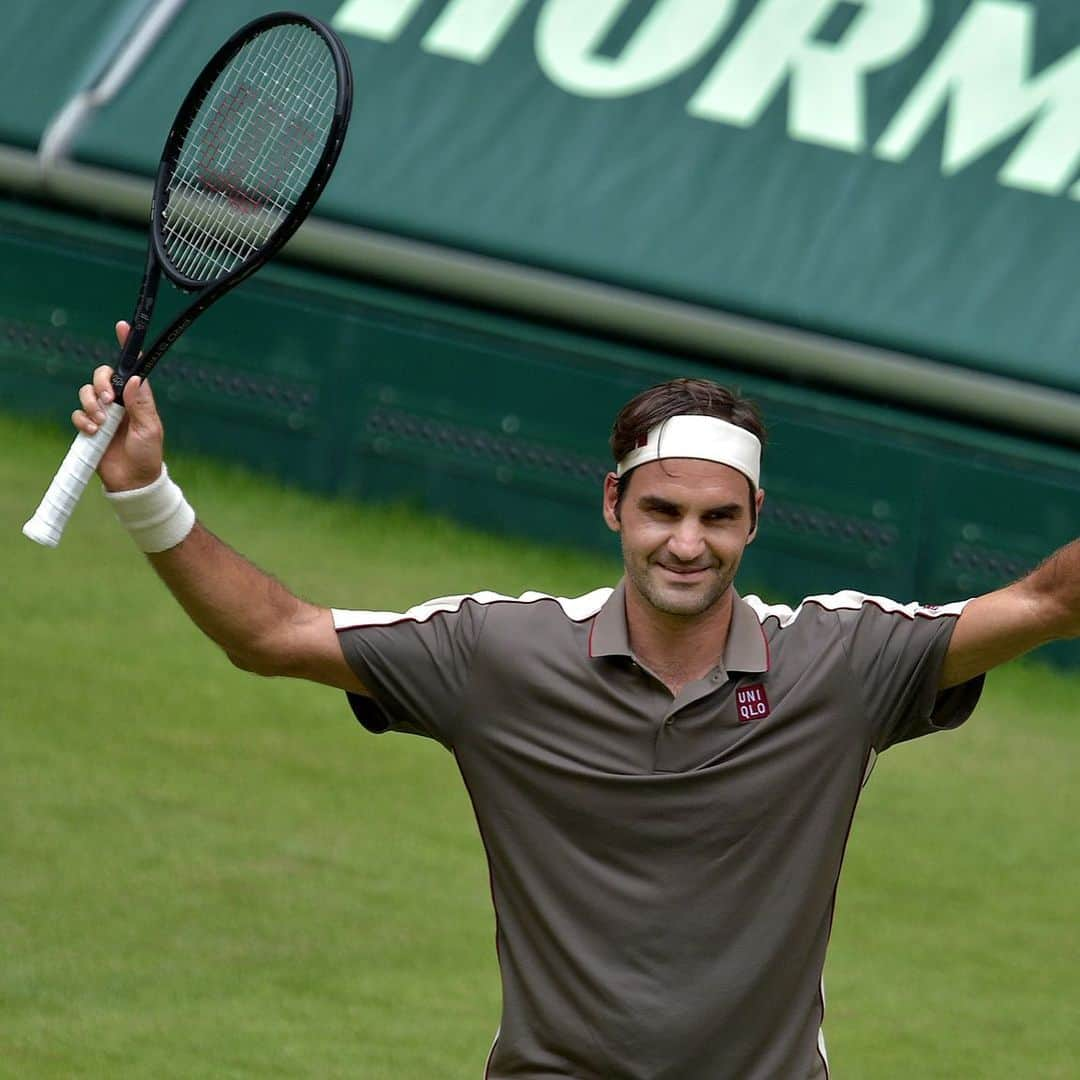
[{"x": 47, "y": 525}]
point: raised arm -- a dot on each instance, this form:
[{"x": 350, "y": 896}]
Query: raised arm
[
  {"x": 1042, "y": 607},
  {"x": 260, "y": 625}
]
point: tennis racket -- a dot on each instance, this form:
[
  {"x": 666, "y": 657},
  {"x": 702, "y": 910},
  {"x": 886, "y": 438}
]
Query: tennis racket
[{"x": 248, "y": 154}]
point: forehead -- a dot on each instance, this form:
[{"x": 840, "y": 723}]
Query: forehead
[{"x": 688, "y": 481}]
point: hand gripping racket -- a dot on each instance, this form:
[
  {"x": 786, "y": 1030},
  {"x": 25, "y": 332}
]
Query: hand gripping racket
[{"x": 248, "y": 154}]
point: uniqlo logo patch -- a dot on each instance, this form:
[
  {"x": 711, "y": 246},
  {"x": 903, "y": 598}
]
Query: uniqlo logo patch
[{"x": 752, "y": 703}]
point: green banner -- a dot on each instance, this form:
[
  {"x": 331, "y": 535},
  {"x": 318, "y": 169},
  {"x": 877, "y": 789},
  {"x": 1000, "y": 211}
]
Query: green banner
[
  {"x": 49, "y": 52},
  {"x": 896, "y": 172}
]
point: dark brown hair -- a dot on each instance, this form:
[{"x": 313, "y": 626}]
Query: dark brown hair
[{"x": 682, "y": 397}]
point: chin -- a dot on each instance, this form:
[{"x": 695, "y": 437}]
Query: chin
[
  {"x": 689, "y": 607},
  {"x": 685, "y": 601}
]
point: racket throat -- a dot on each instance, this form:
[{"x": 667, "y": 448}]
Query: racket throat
[{"x": 128, "y": 362}]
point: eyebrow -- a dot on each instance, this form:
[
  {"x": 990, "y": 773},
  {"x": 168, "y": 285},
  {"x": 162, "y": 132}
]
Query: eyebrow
[{"x": 654, "y": 502}]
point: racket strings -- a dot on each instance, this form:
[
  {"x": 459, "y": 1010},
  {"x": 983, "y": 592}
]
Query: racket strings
[
  {"x": 251, "y": 148},
  {"x": 234, "y": 157}
]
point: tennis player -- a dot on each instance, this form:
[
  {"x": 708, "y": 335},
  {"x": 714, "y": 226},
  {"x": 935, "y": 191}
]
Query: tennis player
[{"x": 664, "y": 773}]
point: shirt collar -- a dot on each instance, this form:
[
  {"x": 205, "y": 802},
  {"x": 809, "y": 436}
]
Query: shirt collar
[{"x": 746, "y": 648}]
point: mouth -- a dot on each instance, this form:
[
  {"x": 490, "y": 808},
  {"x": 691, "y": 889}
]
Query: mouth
[{"x": 686, "y": 573}]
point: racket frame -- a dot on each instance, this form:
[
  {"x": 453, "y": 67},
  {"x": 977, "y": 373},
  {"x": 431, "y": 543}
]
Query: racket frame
[{"x": 158, "y": 261}]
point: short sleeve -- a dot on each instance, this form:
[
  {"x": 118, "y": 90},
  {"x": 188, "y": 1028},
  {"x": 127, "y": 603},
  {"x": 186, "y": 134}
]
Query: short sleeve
[
  {"x": 897, "y": 652},
  {"x": 416, "y": 664}
]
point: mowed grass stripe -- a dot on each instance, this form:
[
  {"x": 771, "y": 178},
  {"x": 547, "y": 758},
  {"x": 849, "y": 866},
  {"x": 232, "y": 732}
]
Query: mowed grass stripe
[{"x": 207, "y": 874}]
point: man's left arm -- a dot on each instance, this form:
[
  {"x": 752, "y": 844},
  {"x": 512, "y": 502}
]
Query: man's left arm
[{"x": 1001, "y": 625}]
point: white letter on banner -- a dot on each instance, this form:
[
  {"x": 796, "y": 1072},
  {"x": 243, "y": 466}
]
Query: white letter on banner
[
  {"x": 672, "y": 36},
  {"x": 379, "y": 19},
  {"x": 472, "y": 29},
  {"x": 983, "y": 77},
  {"x": 828, "y": 93}
]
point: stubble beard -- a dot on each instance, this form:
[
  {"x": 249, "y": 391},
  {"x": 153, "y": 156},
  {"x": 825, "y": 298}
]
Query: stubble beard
[{"x": 671, "y": 599}]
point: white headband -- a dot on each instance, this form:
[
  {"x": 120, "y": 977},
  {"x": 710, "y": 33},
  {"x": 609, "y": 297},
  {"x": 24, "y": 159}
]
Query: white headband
[{"x": 703, "y": 437}]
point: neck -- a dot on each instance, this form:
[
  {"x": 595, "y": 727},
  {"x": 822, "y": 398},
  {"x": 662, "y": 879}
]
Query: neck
[{"x": 678, "y": 649}]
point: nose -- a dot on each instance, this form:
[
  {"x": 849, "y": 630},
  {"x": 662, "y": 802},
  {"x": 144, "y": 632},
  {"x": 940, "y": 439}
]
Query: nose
[{"x": 687, "y": 541}]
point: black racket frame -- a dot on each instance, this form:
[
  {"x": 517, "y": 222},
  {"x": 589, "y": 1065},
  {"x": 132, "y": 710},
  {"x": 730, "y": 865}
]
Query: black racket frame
[{"x": 157, "y": 260}]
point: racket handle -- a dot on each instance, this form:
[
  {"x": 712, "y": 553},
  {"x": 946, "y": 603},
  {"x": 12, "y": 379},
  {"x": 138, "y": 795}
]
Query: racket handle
[{"x": 47, "y": 525}]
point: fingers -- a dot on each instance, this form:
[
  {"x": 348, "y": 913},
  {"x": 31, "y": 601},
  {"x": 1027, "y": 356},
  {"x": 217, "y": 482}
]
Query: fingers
[
  {"x": 97, "y": 395},
  {"x": 102, "y": 384},
  {"x": 142, "y": 411},
  {"x": 94, "y": 397},
  {"x": 137, "y": 395},
  {"x": 93, "y": 406},
  {"x": 83, "y": 423}
]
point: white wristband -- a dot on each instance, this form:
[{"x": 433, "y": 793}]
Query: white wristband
[{"x": 157, "y": 516}]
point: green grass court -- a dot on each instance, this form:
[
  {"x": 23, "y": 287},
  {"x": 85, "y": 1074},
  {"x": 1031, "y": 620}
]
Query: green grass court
[{"x": 205, "y": 874}]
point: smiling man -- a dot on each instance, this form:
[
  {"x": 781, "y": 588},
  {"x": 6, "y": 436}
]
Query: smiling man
[
  {"x": 664, "y": 773},
  {"x": 688, "y": 522}
]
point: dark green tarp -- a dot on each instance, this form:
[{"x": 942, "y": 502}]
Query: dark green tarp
[
  {"x": 49, "y": 51},
  {"x": 897, "y": 172}
]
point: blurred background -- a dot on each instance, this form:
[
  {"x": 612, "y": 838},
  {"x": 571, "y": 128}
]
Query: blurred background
[{"x": 861, "y": 214}]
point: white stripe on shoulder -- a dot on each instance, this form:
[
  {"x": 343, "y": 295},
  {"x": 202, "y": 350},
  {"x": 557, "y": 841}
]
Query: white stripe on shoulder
[
  {"x": 849, "y": 600},
  {"x": 577, "y": 608}
]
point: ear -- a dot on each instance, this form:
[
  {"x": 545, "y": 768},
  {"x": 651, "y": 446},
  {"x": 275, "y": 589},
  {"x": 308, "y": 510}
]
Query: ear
[
  {"x": 611, "y": 499},
  {"x": 759, "y": 502}
]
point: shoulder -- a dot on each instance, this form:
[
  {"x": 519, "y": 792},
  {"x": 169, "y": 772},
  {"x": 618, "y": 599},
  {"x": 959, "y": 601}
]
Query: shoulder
[
  {"x": 572, "y": 608},
  {"x": 831, "y": 607},
  {"x": 538, "y": 609},
  {"x": 852, "y": 619},
  {"x": 479, "y": 606}
]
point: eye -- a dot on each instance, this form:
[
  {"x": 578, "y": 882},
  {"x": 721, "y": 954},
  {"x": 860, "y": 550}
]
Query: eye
[{"x": 661, "y": 510}]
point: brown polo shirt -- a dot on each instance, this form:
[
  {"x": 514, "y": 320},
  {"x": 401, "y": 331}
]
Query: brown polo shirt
[{"x": 663, "y": 870}]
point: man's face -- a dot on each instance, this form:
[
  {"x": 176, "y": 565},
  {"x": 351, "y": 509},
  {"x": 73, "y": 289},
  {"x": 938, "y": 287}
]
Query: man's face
[{"x": 684, "y": 526}]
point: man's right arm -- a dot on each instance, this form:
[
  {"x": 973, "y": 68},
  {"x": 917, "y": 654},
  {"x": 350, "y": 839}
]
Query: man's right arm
[{"x": 260, "y": 625}]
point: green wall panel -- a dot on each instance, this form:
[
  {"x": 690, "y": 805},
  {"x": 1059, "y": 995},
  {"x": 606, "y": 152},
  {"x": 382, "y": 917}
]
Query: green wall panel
[
  {"x": 791, "y": 193},
  {"x": 49, "y": 51}
]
